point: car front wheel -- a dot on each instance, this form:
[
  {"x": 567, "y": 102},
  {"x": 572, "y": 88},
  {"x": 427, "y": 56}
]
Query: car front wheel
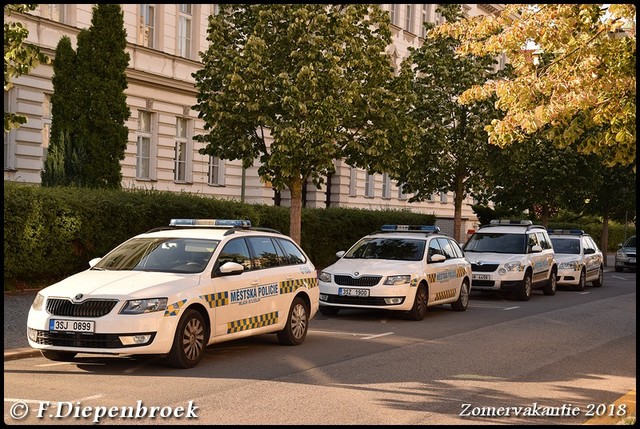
[
  {"x": 189, "y": 341},
  {"x": 523, "y": 293},
  {"x": 552, "y": 284},
  {"x": 582, "y": 281},
  {"x": 297, "y": 325},
  {"x": 419, "y": 309},
  {"x": 600, "y": 280}
]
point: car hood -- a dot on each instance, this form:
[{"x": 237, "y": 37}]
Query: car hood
[
  {"x": 373, "y": 266},
  {"x": 492, "y": 258},
  {"x": 135, "y": 284}
]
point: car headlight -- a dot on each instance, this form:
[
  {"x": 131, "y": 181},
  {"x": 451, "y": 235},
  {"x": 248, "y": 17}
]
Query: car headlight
[
  {"x": 324, "y": 277},
  {"x": 514, "y": 266},
  {"x": 620, "y": 254},
  {"x": 397, "y": 280},
  {"x": 37, "y": 302},
  {"x": 139, "y": 306},
  {"x": 569, "y": 265}
]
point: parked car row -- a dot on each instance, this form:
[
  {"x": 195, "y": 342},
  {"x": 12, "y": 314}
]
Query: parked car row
[{"x": 174, "y": 290}]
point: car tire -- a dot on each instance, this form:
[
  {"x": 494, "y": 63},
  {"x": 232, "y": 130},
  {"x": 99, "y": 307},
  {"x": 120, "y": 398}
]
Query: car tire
[
  {"x": 619, "y": 269},
  {"x": 523, "y": 293},
  {"x": 295, "y": 330},
  {"x": 552, "y": 284},
  {"x": 58, "y": 356},
  {"x": 462, "y": 302},
  {"x": 600, "y": 280},
  {"x": 190, "y": 340},
  {"x": 420, "y": 303},
  {"x": 582, "y": 282},
  {"x": 328, "y": 311}
]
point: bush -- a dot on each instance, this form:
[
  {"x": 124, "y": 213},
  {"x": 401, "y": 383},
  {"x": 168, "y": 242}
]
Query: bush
[{"x": 53, "y": 232}]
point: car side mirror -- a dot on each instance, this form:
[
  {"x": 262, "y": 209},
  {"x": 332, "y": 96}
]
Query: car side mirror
[
  {"x": 340, "y": 254},
  {"x": 93, "y": 262},
  {"x": 619, "y": 245},
  {"x": 536, "y": 249},
  {"x": 589, "y": 251},
  {"x": 231, "y": 269},
  {"x": 437, "y": 258}
]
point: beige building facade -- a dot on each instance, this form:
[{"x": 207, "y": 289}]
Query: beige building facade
[{"x": 163, "y": 41}]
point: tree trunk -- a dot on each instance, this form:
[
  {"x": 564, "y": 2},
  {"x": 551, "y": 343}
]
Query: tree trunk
[
  {"x": 545, "y": 215},
  {"x": 295, "y": 214},
  {"x": 457, "y": 212},
  {"x": 604, "y": 242}
]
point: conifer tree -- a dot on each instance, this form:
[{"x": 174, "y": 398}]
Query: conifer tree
[{"x": 100, "y": 138}]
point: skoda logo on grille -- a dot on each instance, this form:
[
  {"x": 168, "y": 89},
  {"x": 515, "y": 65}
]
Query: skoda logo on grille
[
  {"x": 479, "y": 263},
  {"x": 356, "y": 274},
  {"x": 78, "y": 297}
]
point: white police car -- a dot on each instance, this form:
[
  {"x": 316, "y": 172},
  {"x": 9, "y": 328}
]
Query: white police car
[
  {"x": 174, "y": 290},
  {"x": 579, "y": 258},
  {"x": 512, "y": 256},
  {"x": 401, "y": 267}
]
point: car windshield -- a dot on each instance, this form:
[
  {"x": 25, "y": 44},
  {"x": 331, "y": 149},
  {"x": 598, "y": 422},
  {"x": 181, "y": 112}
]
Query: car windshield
[
  {"x": 570, "y": 246},
  {"x": 497, "y": 243},
  {"x": 162, "y": 254},
  {"x": 399, "y": 249},
  {"x": 631, "y": 242}
]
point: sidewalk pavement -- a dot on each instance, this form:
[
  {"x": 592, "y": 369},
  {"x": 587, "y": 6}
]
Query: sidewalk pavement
[{"x": 16, "y": 310}]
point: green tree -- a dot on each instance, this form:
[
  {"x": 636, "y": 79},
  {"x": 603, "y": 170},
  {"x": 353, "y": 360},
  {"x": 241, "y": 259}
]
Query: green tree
[
  {"x": 585, "y": 92},
  {"x": 19, "y": 57},
  {"x": 60, "y": 168},
  {"x": 100, "y": 134},
  {"x": 313, "y": 77},
  {"x": 451, "y": 145}
]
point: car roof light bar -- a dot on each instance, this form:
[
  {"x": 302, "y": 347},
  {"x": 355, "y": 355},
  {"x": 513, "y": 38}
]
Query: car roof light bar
[
  {"x": 211, "y": 222},
  {"x": 566, "y": 231},
  {"x": 410, "y": 228},
  {"x": 510, "y": 222}
]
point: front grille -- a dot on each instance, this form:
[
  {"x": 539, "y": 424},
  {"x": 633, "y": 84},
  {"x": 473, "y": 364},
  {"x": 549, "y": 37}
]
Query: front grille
[
  {"x": 366, "y": 281},
  {"x": 84, "y": 340},
  {"x": 484, "y": 268},
  {"x": 482, "y": 283},
  {"x": 353, "y": 300},
  {"x": 88, "y": 308}
]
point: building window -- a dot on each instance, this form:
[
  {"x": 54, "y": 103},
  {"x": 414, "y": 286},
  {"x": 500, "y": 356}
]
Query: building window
[
  {"x": 185, "y": 17},
  {"x": 369, "y": 183},
  {"x": 54, "y": 12},
  {"x": 180, "y": 157},
  {"x": 146, "y": 25},
  {"x": 401, "y": 194},
  {"x": 438, "y": 19},
  {"x": 7, "y": 134},
  {"x": 216, "y": 9},
  {"x": 386, "y": 186},
  {"x": 394, "y": 15},
  {"x": 432, "y": 198},
  {"x": 353, "y": 182},
  {"x": 408, "y": 18},
  {"x": 443, "y": 197},
  {"x": 46, "y": 126},
  {"x": 425, "y": 17},
  {"x": 143, "y": 146},
  {"x": 216, "y": 171}
]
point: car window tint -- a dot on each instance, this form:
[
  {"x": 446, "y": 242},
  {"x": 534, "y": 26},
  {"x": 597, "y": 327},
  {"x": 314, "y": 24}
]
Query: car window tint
[
  {"x": 497, "y": 243},
  {"x": 401, "y": 249},
  {"x": 293, "y": 254},
  {"x": 235, "y": 251},
  {"x": 264, "y": 251},
  {"x": 569, "y": 246}
]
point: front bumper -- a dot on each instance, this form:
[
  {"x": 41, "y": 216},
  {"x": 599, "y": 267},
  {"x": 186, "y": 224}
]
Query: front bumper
[{"x": 379, "y": 297}]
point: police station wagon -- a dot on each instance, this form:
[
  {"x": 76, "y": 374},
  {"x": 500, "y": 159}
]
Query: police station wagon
[
  {"x": 579, "y": 258},
  {"x": 405, "y": 268},
  {"x": 174, "y": 290}
]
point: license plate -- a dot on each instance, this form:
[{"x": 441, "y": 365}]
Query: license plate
[
  {"x": 480, "y": 277},
  {"x": 353, "y": 292},
  {"x": 72, "y": 325}
]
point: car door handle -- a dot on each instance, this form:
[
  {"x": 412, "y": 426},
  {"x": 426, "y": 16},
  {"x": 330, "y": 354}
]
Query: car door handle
[{"x": 255, "y": 282}]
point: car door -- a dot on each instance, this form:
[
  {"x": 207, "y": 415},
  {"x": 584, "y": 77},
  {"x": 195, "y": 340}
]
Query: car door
[
  {"x": 439, "y": 273},
  {"x": 234, "y": 302},
  {"x": 592, "y": 257}
]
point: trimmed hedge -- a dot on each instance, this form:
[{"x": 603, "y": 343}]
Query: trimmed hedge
[{"x": 51, "y": 233}]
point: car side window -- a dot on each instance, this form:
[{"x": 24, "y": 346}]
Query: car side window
[
  {"x": 532, "y": 241},
  {"x": 456, "y": 248},
  {"x": 292, "y": 253},
  {"x": 235, "y": 251},
  {"x": 434, "y": 249},
  {"x": 445, "y": 245},
  {"x": 264, "y": 250},
  {"x": 544, "y": 240}
]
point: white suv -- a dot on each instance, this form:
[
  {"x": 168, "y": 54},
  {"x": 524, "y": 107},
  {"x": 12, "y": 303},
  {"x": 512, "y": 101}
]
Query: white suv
[
  {"x": 174, "y": 290},
  {"x": 401, "y": 267},
  {"x": 579, "y": 258},
  {"x": 512, "y": 256}
]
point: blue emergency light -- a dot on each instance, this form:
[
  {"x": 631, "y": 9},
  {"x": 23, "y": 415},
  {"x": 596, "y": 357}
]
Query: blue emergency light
[
  {"x": 566, "y": 231},
  {"x": 211, "y": 222},
  {"x": 415, "y": 228}
]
